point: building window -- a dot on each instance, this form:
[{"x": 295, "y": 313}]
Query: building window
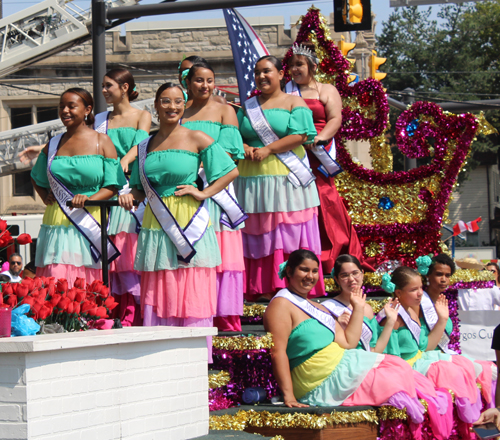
[
  {"x": 20, "y": 116},
  {"x": 21, "y": 184},
  {"x": 44, "y": 114}
]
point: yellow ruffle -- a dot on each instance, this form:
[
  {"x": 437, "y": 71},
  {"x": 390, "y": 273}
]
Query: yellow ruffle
[
  {"x": 182, "y": 208},
  {"x": 316, "y": 369},
  {"x": 54, "y": 216},
  {"x": 415, "y": 358},
  {"x": 270, "y": 166}
]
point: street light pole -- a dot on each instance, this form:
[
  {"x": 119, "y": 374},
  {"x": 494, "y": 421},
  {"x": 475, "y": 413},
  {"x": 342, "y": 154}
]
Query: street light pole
[{"x": 98, "y": 52}]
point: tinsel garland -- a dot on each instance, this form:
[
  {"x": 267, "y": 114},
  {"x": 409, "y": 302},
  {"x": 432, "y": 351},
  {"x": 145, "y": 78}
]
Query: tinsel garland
[
  {"x": 242, "y": 419},
  {"x": 252, "y": 310},
  {"x": 241, "y": 343},
  {"x": 218, "y": 380}
]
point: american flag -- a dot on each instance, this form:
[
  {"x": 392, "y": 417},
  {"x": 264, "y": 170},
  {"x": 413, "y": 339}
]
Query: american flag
[{"x": 247, "y": 48}]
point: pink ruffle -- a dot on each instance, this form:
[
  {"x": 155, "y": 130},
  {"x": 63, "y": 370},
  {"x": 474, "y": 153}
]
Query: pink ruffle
[
  {"x": 183, "y": 293},
  {"x": 229, "y": 293},
  {"x": 486, "y": 380},
  {"x": 151, "y": 319},
  {"x": 231, "y": 249},
  {"x": 261, "y": 223},
  {"x": 393, "y": 375},
  {"x": 126, "y": 243},
  {"x": 261, "y": 276},
  {"x": 285, "y": 237},
  {"x": 69, "y": 272}
]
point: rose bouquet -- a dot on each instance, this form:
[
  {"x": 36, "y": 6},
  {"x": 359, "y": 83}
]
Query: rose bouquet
[{"x": 54, "y": 301}]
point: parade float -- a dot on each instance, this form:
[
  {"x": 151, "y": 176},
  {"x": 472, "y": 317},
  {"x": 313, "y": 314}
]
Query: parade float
[{"x": 398, "y": 217}]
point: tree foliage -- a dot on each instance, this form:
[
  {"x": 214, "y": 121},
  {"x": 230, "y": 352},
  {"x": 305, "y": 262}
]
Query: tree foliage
[{"x": 454, "y": 58}]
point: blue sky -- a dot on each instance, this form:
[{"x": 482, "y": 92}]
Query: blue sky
[{"x": 380, "y": 7}]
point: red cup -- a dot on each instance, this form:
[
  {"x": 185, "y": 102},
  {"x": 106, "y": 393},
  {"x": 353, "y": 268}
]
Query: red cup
[{"x": 5, "y": 321}]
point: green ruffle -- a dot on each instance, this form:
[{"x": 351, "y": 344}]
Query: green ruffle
[
  {"x": 121, "y": 220},
  {"x": 155, "y": 251},
  {"x": 273, "y": 194},
  {"x": 215, "y": 213},
  {"x": 63, "y": 245}
]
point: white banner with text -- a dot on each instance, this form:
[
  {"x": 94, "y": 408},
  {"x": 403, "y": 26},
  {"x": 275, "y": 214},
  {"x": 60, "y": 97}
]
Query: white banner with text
[{"x": 476, "y": 333}]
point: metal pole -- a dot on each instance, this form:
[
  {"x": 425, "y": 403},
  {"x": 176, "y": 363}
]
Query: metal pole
[
  {"x": 104, "y": 245},
  {"x": 98, "y": 52},
  {"x": 186, "y": 6}
]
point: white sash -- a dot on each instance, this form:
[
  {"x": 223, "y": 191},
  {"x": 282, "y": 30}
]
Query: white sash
[
  {"x": 232, "y": 213},
  {"x": 87, "y": 225},
  {"x": 322, "y": 317},
  {"x": 300, "y": 173},
  {"x": 329, "y": 166},
  {"x": 337, "y": 308},
  {"x": 413, "y": 326},
  {"x": 183, "y": 239},
  {"x": 101, "y": 122},
  {"x": 431, "y": 318}
]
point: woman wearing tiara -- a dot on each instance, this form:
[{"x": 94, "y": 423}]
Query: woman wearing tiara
[
  {"x": 338, "y": 235},
  {"x": 220, "y": 123},
  {"x": 311, "y": 355},
  {"x": 276, "y": 187}
]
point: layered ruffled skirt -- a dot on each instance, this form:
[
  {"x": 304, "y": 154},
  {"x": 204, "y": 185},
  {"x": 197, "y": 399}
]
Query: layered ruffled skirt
[
  {"x": 282, "y": 219},
  {"x": 62, "y": 251},
  {"x": 125, "y": 282}
]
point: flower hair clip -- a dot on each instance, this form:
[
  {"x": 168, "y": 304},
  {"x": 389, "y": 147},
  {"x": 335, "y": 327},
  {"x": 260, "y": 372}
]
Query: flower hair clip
[
  {"x": 299, "y": 49},
  {"x": 387, "y": 284},
  {"x": 332, "y": 273},
  {"x": 423, "y": 263},
  {"x": 282, "y": 270}
]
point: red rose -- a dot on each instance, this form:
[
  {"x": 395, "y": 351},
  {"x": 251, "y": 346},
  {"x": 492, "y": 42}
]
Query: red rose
[
  {"x": 63, "y": 303},
  {"x": 24, "y": 239},
  {"x": 51, "y": 289},
  {"x": 71, "y": 294},
  {"x": 62, "y": 286},
  {"x": 7, "y": 289},
  {"x": 44, "y": 312},
  {"x": 29, "y": 283},
  {"x": 80, "y": 283},
  {"x": 104, "y": 293},
  {"x": 70, "y": 307},
  {"x": 101, "y": 312},
  {"x": 96, "y": 286},
  {"x": 22, "y": 291},
  {"x": 110, "y": 303},
  {"x": 80, "y": 295},
  {"x": 3, "y": 225},
  {"x": 35, "y": 307},
  {"x": 6, "y": 239},
  {"x": 76, "y": 308},
  {"x": 43, "y": 294},
  {"x": 54, "y": 300},
  {"x": 11, "y": 300},
  {"x": 86, "y": 306}
]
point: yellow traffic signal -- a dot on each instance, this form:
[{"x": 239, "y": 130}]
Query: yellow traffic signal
[
  {"x": 355, "y": 11},
  {"x": 344, "y": 47},
  {"x": 374, "y": 63}
]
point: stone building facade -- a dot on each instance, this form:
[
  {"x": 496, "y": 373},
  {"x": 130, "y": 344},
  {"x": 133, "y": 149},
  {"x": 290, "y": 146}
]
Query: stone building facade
[{"x": 151, "y": 50}]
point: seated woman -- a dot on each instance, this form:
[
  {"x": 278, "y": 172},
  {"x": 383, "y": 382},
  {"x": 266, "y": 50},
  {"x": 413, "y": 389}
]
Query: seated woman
[
  {"x": 348, "y": 274},
  {"x": 311, "y": 359},
  {"x": 438, "y": 271},
  {"x": 412, "y": 344}
]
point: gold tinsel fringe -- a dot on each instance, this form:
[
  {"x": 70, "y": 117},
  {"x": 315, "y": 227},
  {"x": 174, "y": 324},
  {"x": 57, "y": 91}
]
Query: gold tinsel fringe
[
  {"x": 391, "y": 413},
  {"x": 484, "y": 127},
  {"x": 218, "y": 380},
  {"x": 243, "y": 342},
  {"x": 242, "y": 419},
  {"x": 253, "y": 310}
]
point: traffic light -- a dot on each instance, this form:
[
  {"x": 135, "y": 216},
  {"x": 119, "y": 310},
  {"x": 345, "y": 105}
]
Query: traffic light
[
  {"x": 344, "y": 47},
  {"x": 352, "y": 15},
  {"x": 374, "y": 63}
]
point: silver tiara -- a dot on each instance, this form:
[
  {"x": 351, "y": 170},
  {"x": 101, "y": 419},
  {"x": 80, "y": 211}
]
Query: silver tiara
[{"x": 298, "y": 49}]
